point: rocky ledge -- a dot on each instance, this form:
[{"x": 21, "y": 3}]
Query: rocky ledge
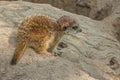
[{"x": 93, "y": 54}]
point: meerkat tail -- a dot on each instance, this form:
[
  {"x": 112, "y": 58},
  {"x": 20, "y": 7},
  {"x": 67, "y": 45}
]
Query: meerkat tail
[{"x": 19, "y": 51}]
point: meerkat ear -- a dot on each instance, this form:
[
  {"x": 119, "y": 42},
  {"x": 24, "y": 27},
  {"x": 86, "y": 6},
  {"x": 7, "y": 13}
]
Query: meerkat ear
[
  {"x": 65, "y": 18},
  {"x": 62, "y": 19}
]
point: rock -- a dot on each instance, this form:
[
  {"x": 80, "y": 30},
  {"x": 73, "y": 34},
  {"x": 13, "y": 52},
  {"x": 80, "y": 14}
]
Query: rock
[{"x": 93, "y": 54}]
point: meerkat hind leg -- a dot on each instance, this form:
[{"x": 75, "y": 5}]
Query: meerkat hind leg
[{"x": 43, "y": 49}]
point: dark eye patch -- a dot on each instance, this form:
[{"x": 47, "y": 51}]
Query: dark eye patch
[
  {"x": 64, "y": 28},
  {"x": 75, "y": 27}
]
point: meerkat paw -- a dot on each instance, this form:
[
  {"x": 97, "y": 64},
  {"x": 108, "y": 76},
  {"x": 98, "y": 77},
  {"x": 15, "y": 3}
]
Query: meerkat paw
[{"x": 48, "y": 54}]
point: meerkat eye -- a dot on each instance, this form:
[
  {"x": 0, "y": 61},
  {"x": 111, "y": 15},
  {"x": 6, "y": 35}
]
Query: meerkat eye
[
  {"x": 64, "y": 28},
  {"x": 75, "y": 27}
]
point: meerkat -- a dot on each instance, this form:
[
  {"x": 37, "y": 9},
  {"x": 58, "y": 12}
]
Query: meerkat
[{"x": 42, "y": 33}]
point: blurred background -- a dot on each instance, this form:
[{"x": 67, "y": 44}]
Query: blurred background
[{"x": 95, "y": 9}]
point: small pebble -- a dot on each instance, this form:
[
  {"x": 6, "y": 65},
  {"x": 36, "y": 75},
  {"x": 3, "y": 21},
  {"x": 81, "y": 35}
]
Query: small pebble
[
  {"x": 57, "y": 53},
  {"x": 62, "y": 45}
]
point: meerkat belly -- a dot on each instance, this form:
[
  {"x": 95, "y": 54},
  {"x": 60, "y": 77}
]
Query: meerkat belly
[{"x": 51, "y": 40}]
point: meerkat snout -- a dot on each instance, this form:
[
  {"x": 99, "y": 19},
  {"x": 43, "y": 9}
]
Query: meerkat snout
[{"x": 68, "y": 25}]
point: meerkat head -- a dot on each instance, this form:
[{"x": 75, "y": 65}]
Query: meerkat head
[{"x": 68, "y": 25}]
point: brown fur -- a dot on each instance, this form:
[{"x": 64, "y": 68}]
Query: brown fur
[{"x": 40, "y": 32}]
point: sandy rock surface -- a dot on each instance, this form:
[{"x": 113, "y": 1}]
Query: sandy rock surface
[{"x": 93, "y": 54}]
